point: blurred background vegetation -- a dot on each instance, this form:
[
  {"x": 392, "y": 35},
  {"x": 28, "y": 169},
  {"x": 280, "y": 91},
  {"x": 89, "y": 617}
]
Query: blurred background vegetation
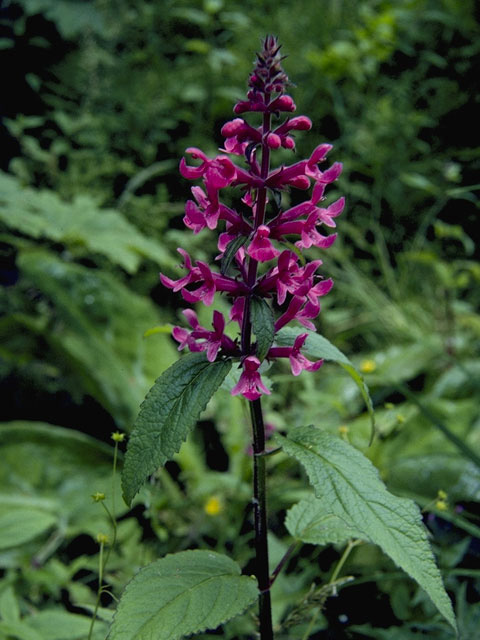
[{"x": 100, "y": 99}]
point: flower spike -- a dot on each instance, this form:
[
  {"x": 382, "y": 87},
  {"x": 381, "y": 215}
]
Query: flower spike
[{"x": 253, "y": 259}]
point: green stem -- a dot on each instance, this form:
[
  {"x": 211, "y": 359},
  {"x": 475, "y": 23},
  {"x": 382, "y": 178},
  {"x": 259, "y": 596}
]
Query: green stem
[
  {"x": 260, "y": 509},
  {"x": 336, "y": 572},
  {"x": 313, "y": 619},
  {"x": 103, "y": 563},
  {"x": 351, "y": 545},
  {"x": 99, "y": 591}
]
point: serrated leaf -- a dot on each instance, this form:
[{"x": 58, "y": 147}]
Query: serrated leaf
[
  {"x": 317, "y": 346},
  {"x": 230, "y": 252},
  {"x": 181, "y": 594},
  {"x": 169, "y": 411},
  {"x": 263, "y": 325},
  {"x": 348, "y": 486},
  {"x": 308, "y": 521}
]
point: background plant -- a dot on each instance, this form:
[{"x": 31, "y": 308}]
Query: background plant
[{"x": 391, "y": 84}]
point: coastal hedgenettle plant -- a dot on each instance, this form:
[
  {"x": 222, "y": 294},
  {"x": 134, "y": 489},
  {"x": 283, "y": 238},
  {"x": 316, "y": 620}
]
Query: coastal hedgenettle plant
[{"x": 261, "y": 269}]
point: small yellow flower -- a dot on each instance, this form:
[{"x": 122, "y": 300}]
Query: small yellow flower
[
  {"x": 102, "y": 538},
  {"x": 389, "y": 405},
  {"x": 442, "y": 505},
  {"x": 98, "y": 496},
  {"x": 343, "y": 430},
  {"x": 441, "y": 495},
  {"x": 118, "y": 437},
  {"x": 213, "y": 506},
  {"x": 368, "y": 366}
]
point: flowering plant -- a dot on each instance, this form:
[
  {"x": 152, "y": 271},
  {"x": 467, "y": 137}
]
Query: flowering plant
[
  {"x": 261, "y": 269},
  {"x": 255, "y": 236}
]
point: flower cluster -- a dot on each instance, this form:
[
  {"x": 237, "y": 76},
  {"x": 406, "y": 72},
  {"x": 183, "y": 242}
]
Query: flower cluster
[{"x": 257, "y": 243}]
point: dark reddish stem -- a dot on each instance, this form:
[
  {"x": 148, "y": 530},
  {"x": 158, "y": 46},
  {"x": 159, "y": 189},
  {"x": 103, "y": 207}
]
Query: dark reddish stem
[{"x": 258, "y": 427}]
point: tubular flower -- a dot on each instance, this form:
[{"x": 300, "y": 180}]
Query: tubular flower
[
  {"x": 250, "y": 384},
  {"x": 211, "y": 341},
  {"x": 255, "y": 243}
]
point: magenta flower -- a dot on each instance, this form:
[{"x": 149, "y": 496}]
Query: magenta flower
[
  {"x": 298, "y": 362},
  {"x": 192, "y": 275},
  {"x": 203, "y": 213},
  {"x": 218, "y": 173},
  {"x": 261, "y": 247},
  {"x": 210, "y": 341},
  {"x": 250, "y": 384},
  {"x": 255, "y": 233}
]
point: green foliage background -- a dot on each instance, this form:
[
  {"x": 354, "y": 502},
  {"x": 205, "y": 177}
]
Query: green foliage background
[{"x": 105, "y": 96}]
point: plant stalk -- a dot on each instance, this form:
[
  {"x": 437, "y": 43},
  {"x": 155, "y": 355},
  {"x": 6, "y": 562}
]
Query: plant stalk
[
  {"x": 260, "y": 510},
  {"x": 258, "y": 428}
]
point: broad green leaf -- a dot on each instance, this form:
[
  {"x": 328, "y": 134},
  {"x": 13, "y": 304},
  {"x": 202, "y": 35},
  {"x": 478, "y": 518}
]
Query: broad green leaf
[
  {"x": 170, "y": 410},
  {"x": 56, "y": 624},
  {"x": 98, "y": 333},
  {"x": 19, "y": 525},
  {"x": 263, "y": 325},
  {"x": 348, "y": 486},
  {"x": 181, "y": 594},
  {"x": 318, "y": 347},
  {"x": 54, "y": 471},
  {"x": 81, "y": 224},
  {"x": 309, "y": 522}
]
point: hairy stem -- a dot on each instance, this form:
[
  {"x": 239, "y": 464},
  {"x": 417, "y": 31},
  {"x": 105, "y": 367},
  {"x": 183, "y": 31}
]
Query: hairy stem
[{"x": 260, "y": 509}]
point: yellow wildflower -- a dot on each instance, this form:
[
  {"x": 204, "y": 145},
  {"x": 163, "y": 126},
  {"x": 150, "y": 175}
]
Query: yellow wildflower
[
  {"x": 368, "y": 366},
  {"x": 441, "y": 505},
  {"x": 213, "y": 506}
]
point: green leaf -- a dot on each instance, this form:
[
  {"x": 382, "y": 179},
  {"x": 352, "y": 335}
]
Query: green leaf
[
  {"x": 18, "y": 630},
  {"x": 348, "y": 487},
  {"x": 263, "y": 324},
  {"x": 9, "y": 609},
  {"x": 167, "y": 414},
  {"x": 316, "y": 346},
  {"x": 310, "y": 522},
  {"x": 98, "y": 333},
  {"x": 230, "y": 252},
  {"x": 181, "y": 594},
  {"x": 55, "y": 624},
  {"x": 81, "y": 225},
  {"x": 49, "y": 473},
  {"x": 20, "y": 524}
]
